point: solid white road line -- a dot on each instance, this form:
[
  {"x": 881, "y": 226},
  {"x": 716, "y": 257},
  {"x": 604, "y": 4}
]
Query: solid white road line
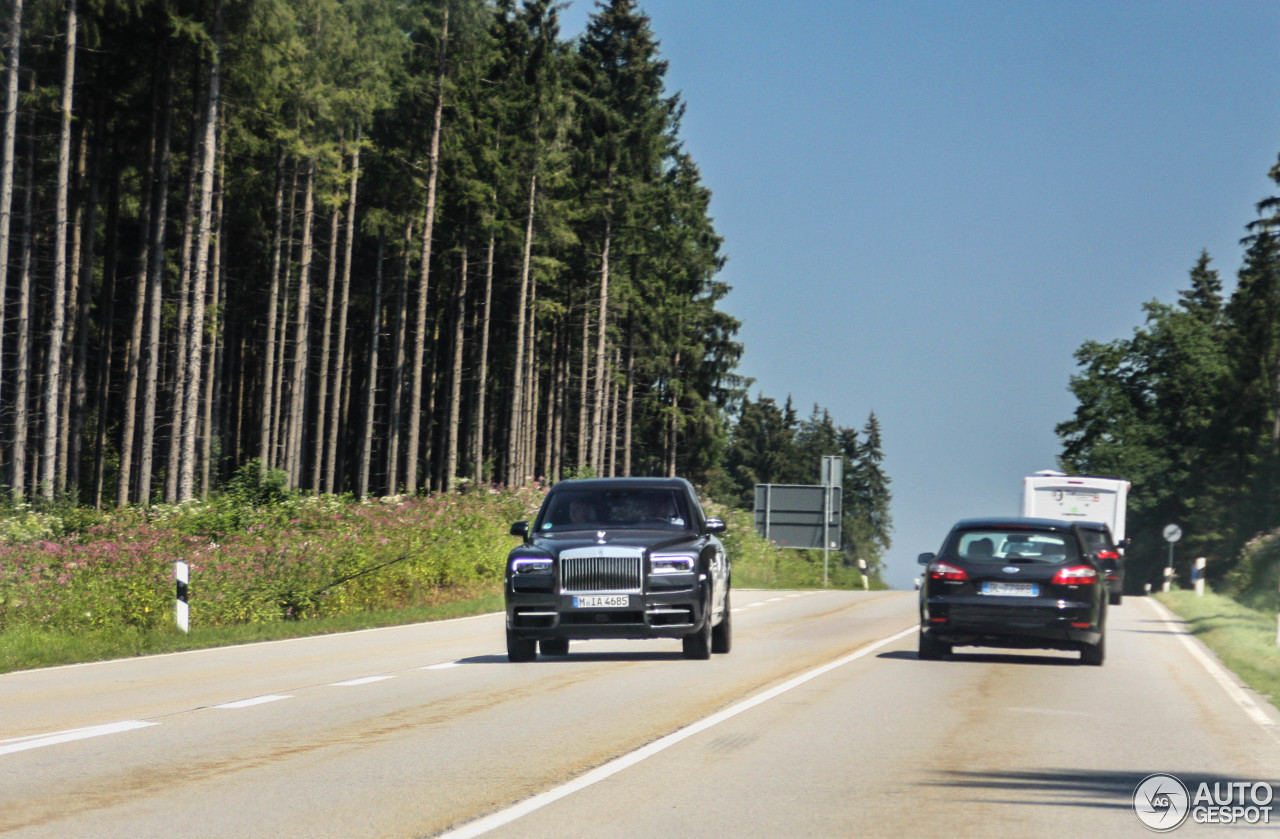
[
  {"x": 21, "y": 744},
  {"x": 613, "y": 767},
  {"x": 1223, "y": 676},
  {"x": 249, "y": 703}
]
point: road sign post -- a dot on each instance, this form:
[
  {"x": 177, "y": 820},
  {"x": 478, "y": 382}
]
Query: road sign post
[
  {"x": 804, "y": 515},
  {"x": 1171, "y": 533},
  {"x": 832, "y": 477}
]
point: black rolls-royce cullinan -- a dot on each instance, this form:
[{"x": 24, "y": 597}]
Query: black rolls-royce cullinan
[{"x": 618, "y": 558}]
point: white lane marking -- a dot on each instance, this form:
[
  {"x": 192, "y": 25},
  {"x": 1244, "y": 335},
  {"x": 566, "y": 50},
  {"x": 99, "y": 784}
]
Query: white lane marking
[
  {"x": 444, "y": 666},
  {"x": 257, "y": 700},
  {"x": 613, "y": 767},
  {"x": 367, "y": 680},
  {"x": 770, "y": 600},
  {"x": 1224, "y": 677},
  {"x": 22, "y": 744}
]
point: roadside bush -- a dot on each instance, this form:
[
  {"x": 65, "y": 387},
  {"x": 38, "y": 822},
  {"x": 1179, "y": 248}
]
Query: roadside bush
[
  {"x": 297, "y": 557},
  {"x": 1254, "y": 578}
]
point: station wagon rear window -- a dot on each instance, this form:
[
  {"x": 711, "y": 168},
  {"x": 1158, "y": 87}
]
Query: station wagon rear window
[{"x": 1013, "y": 546}]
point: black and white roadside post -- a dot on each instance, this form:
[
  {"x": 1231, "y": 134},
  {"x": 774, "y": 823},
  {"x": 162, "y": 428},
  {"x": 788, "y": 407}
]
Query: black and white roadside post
[
  {"x": 1197, "y": 579},
  {"x": 181, "y": 573},
  {"x": 1171, "y": 533},
  {"x": 862, "y": 566}
]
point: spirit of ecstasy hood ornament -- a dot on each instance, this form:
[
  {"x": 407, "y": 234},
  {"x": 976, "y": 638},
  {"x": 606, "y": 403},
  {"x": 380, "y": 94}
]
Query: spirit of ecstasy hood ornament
[{"x": 599, "y": 537}]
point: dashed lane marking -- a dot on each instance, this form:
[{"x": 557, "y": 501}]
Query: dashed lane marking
[
  {"x": 249, "y": 703},
  {"x": 22, "y": 744}
]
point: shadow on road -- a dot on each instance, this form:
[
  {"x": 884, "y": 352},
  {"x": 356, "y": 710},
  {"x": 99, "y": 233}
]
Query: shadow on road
[
  {"x": 995, "y": 658},
  {"x": 1069, "y": 787},
  {"x": 577, "y": 657}
]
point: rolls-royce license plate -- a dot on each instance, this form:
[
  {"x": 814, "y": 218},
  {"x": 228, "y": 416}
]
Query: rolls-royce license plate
[{"x": 602, "y": 601}]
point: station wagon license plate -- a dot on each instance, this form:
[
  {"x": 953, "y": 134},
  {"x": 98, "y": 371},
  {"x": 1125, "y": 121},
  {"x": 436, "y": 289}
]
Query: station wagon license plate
[
  {"x": 1011, "y": 589},
  {"x": 602, "y": 601}
]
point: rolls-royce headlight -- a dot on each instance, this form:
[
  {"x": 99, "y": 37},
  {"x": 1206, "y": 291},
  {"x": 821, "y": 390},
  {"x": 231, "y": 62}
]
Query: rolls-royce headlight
[
  {"x": 671, "y": 564},
  {"x": 531, "y": 565}
]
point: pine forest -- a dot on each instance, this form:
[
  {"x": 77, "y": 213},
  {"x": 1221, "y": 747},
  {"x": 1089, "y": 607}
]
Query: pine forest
[
  {"x": 378, "y": 247},
  {"x": 382, "y": 246}
]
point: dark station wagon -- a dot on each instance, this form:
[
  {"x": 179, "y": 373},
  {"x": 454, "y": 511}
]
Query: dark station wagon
[
  {"x": 618, "y": 558},
  {"x": 1014, "y": 582}
]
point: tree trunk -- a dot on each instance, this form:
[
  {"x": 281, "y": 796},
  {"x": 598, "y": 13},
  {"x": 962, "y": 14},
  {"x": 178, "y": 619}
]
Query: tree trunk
[
  {"x": 396, "y": 402},
  {"x": 482, "y": 367},
  {"x": 53, "y": 368},
  {"x": 213, "y": 358},
  {"x": 630, "y": 402},
  {"x": 75, "y": 229},
  {"x": 298, "y": 387},
  {"x": 602, "y": 323},
  {"x": 428, "y": 225},
  {"x": 18, "y": 479},
  {"x": 318, "y": 479},
  {"x": 151, "y": 299},
  {"x": 550, "y": 422},
  {"x": 342, "y": 388},
  {"x": 515, "y": 436},
  {"x": 561, "y": 404},
  {"x": 7, "y": 139},
  {"x": 583, "y": 388},
  {"x": 371, "y": 386},
  {"x": 455, "y": 395},
  {"x": 266, "y": 425},
  {"x": 88, "y": 258},
  {"x": 195, "y": 368},
  {"x": 178, "y": 373},
  {"x": 529, "y": 442},
  {"x": 102, "y": 387},
  {"x": 613, "y": 415}
]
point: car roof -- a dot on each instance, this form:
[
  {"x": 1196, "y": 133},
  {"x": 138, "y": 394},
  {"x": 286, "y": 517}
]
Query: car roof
[
  {"x": 622, "y": 483},
  {"x": 1013, "y": 522}
]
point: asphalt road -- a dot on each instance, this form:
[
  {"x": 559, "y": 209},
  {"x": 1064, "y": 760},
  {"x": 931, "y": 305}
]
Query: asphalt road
[{"x": 821, "y": 722}]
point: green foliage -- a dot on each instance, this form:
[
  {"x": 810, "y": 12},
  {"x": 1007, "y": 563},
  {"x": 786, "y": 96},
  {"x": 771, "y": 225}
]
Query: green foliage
[
  {"x": 1254, "y": 578},
  {"x": 303, "y": 557},
  {"x": 254, "y": 486},
  {"x": 758, "y": 563},
  {"x": 1181, "y": 412}
]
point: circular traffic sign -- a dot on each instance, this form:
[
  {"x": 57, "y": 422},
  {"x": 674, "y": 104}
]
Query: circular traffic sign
[{"x": 1172, "y": 533}]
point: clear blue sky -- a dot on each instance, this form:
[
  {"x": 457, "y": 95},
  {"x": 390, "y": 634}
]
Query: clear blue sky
[{"x": 928, "y": 206}]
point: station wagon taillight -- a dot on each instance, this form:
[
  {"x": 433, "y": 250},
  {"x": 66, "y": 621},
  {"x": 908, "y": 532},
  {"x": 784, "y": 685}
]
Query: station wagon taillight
[
  {"x": 947, "y": 571},
  {"x": 1076, "y": 575}
]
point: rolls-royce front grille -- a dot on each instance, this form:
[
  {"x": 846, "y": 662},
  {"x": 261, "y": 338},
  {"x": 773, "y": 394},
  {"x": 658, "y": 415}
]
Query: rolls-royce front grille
[{"x": 600, "y": 574}]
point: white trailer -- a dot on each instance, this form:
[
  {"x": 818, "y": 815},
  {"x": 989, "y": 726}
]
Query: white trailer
[{"x": 1054, "y": 495}]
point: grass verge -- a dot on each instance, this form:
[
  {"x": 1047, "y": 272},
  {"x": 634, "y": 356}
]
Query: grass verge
[
  {"x": 28, "y": 648},
  {"x": 1244, "y": 639}
]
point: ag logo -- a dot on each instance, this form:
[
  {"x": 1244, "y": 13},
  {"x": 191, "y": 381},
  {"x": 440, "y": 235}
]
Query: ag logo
[{"x": 1161, "y": 802}]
